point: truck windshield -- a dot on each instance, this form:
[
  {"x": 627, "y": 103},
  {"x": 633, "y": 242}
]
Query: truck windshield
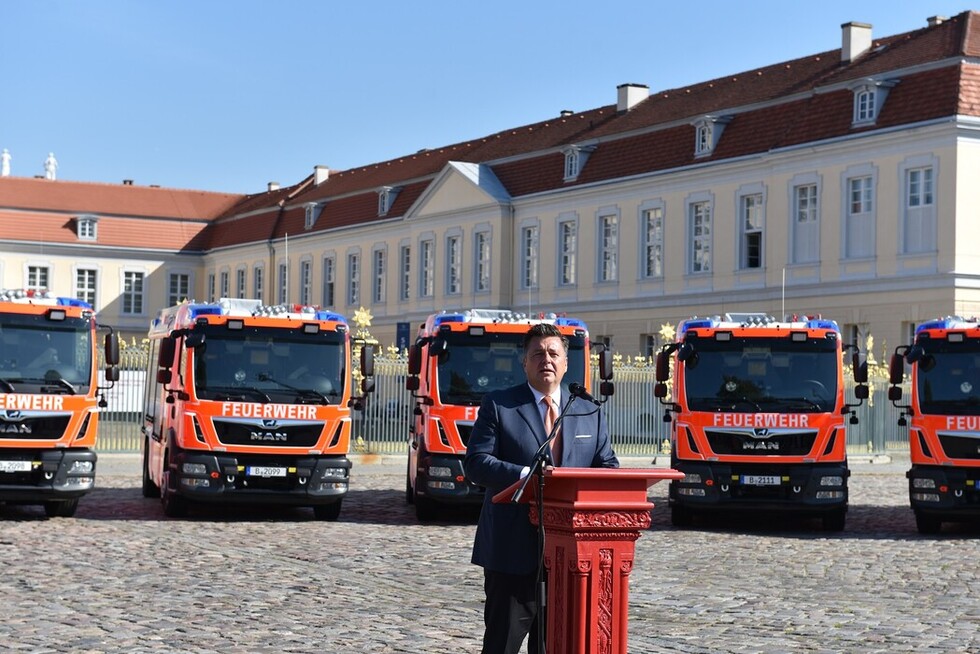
[
  {"x": 270, "y": 365},
  {"x": 472, "y": 366},
  {"x": 38, "y": 355},
  {"x": 762, "y": 374},
  {"x": 948, "y": 381}
]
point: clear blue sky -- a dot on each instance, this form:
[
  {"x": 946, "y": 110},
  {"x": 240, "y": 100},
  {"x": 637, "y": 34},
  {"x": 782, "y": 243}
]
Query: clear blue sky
[{"x": 229, "y": 95}]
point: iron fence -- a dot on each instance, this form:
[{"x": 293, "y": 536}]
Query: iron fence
[{"x": 635, "y": 416}]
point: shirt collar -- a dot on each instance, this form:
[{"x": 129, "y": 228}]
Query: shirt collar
[{"x": 538, "y": 395}]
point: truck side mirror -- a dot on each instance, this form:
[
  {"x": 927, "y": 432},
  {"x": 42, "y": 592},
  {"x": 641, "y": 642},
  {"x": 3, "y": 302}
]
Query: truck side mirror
[
  {"x": 111, "y": 349},
  {"x": 896, "y": 369},
  {"x": 367, "y": 361},
  {"x": 438, "y": 346},
  {"x": 660, "y": 390},
  {"x": 412, "y": 383},
  {"x": 367, "y": 385},
  {"x": 112, "y": 374},
  {"x": 164, "y": 375},
  {"x": 414, "y": 359},
  {"x": 605, "y": 366},
  {"x": 861, "y": 392},
  {"x": 194, "y": 340},
  {"x": 894, "y": 393},
  {"x": 859, "y": 367},
  {"x": 168, "y": 347},
  {"x": 663, "y": 368}
]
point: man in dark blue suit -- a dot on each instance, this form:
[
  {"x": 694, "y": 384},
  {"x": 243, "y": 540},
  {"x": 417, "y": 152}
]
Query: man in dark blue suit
[{"x": 509, "y": 429}]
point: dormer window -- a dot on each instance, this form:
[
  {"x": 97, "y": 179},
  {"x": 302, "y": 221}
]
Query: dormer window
[
  {"x": 386, "y": 198},
  {"x": 575, "y": 158},
  {"x": 707, "y": 132},
  {"x": 85, "y": 227},
  {"x": 312, "y": 213},
  {"x": 869, "y": 97}
]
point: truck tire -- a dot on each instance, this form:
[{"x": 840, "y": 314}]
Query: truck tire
[
  {"x": 149, "y": 488},
  {"x": 174, "y": 506},
  {"x": 329, "y": 512},
  {"x": 409, "y": 491},
  {"x": 927, "y": 524},
  {"x": 61, "y": 508}
]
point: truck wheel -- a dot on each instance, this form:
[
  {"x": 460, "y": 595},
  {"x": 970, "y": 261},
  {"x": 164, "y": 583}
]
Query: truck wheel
[
  {"x": 174, "y": 506},
  {"x": 425, "y": 509},
  {"x": 927, "y": 524},
  {"x": 61, "y": 508},
  {"x": 834, "y": 521},
  {"x": 149, "y": 488},
  {"x": 409, "y": 491},
  {"x": 329, "y": 512},
  {"x": 681, "y": 516}
]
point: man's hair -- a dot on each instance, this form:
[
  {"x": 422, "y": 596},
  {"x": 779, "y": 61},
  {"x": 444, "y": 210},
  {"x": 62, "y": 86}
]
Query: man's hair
[{"x": 543, "y": 330}]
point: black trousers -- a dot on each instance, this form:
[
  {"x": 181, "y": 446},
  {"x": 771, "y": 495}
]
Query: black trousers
[{"x": 510, "y": 613}]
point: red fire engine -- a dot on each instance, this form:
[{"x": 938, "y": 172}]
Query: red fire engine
[
  {"x": 48, "y": 399},
  {"x": 458, "y": 358},
  {"x": 943, "y": 419},
  {"x": 758, "y": 416},
  {"x": 250, "y": 403}
]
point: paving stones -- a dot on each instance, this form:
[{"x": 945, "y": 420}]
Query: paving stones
[{"x": 120, "y": 577}]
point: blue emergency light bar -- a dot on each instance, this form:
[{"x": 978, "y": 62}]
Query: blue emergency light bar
[
  {"x": 73, "y": 302},
  {"x": 946, "y": 323}
]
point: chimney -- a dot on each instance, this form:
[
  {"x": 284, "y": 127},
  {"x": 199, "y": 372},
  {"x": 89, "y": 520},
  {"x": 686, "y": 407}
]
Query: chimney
[
  {"x": 565, "y": 113},
  {"x": 320, "y": 174},
  {"x": 932, "y": 21},
  {"x": 855, "y": 41},
  {"x": 273, "y": 186},
  {"x": 127, "y": 182},
  {"x": 630, "y": 95}
]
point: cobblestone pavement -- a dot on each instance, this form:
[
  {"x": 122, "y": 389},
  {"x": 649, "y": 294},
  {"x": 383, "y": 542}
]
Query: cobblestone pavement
[{"x": 119, "y": 577}]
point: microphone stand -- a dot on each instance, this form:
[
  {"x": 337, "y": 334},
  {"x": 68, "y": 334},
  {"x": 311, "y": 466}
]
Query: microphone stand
[{"x": 537, "y": 471}]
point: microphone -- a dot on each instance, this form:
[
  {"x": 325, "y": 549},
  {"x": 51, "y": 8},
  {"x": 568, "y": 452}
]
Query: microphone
[{"x": 577, "y": 390}]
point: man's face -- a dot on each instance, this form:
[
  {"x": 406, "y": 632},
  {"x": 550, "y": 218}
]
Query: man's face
[{"x": 545, "y": 363}]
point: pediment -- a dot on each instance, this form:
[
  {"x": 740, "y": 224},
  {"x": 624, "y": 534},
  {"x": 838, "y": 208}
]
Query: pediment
[{"x": 460, "y": 187}]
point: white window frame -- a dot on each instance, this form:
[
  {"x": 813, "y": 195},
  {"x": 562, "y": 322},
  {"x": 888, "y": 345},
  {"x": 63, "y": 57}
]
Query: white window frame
[
  {"x": 86, "y": 284},
  {"x": 859, "y": 212},
  {"x": 427, "y": 267},
  {"x": 311, "y": 215},
  {"x": 224, "y": 278},
  {"x": 804, "y": 194},
  {"x": 483, "y": 247},
  {"x": 306, "y": 281},
  {"x": 454, "y": 264},
  {"x": 211, "y": 287},
  {"x": 129, "y": 298},
  {"x": 378, "y": 273},
  {"x": 178, "y": 288},
  {"x": 329, "y": 287},
  {"x": 88, "y": 228},
  {"x": 283, "y": 296},
  {"x": 607, "y": 265},
  {"x": 405, "y": 272},
  {"x": 38, "y": 277},
  {"x": 699, "y": 209},
  {"x": 353, "y": 278},
  {"x": 869, "y": 97},
  {"x": 241, "y": 282},
  {"x": 751, "y": 227},
  {"x": 652, "y": 240},
  {"x": 258, "y": 273},
  {"x": 568, "y": 250},
  {"x": 919, "y": 220},
  {"x": 529, "y": 258}
]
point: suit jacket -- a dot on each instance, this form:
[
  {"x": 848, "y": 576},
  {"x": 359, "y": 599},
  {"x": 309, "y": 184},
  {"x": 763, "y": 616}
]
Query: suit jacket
[{"x": 507, "y": 433}]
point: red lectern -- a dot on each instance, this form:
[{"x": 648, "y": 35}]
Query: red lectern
[{"x": 592, "y": 518}]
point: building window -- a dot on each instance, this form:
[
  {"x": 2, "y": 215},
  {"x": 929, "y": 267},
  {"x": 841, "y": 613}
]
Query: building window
[
  {"x": 567, "y": 252},
  {"x": 859, "y": 234},
  {"x": 312, "y": 213},
  {"x": 132, "y": 295},
  {"x": 178, "y": 288},
  {"x": 653, "y": 242},
  {"x": 87, "y": 226},
  {"x": 454, "y": 266},
  {"x": 869, "y": 97},
  {"x": 702, "y": 139},
  {"x": 648, "y": 345},
  {"x": 240, "y": 282},
  {"x": 699, "y": 216},
  {"x": 257, "y": 273},
  {"x": 864, "y": 106},
  {"x": 386, "y": 198},
  {"x": 378, "y": 292},
  {"x": 919, "y": 233},
  {"x": 608, "y": 248},
  {"x": 224, "y": 283},
  {"x": 37, "y": 278},
  {"x": 753, "y": 239},
  {"x": 427, "y": 271},
  {"x": 575, "y": 158},
  {"x": 210, "y": 287},
  {"x": 405, "y": 266},
  {"x": 283, "y": 283},
  {"x": 306, "y": 282},
  {"x": 353, "y": 279},
  {"x": 86, "y": 285},
  {"x": 805, "y": 227},
  {"x": 329, "y": 280},
  {"x": 707, "y": 133},
  {"x": 529, "y": 257},
  {"x": 482, "y": 276}
]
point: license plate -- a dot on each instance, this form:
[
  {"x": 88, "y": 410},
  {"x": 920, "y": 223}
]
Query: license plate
[
  {"x": 265, "y": 471},
  {"x": 15, "y": 466},
  {"x": 761, "y": 480}
]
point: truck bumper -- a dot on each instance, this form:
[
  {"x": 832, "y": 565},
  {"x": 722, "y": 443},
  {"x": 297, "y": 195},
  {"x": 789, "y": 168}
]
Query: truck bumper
[
  {"x": 35, "y": 476},
  {"x": 300, "y": 481},
  {"x": 943, "y": 492},
  {"x": 803, "y": 489},
  {"x": 440, "y": 478}
]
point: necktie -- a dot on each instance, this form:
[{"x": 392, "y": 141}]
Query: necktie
[{"x": 550, "y": 416}]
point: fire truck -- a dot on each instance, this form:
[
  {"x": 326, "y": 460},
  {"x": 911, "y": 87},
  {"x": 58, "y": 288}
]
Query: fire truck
[
  {"x": 49, "y": 398},
  {"x": 251, "y": 404},
  {"x": 943, "y": 418},
  {"x": 457, "y": 358},
  {"x": 758, "y": 410}
]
